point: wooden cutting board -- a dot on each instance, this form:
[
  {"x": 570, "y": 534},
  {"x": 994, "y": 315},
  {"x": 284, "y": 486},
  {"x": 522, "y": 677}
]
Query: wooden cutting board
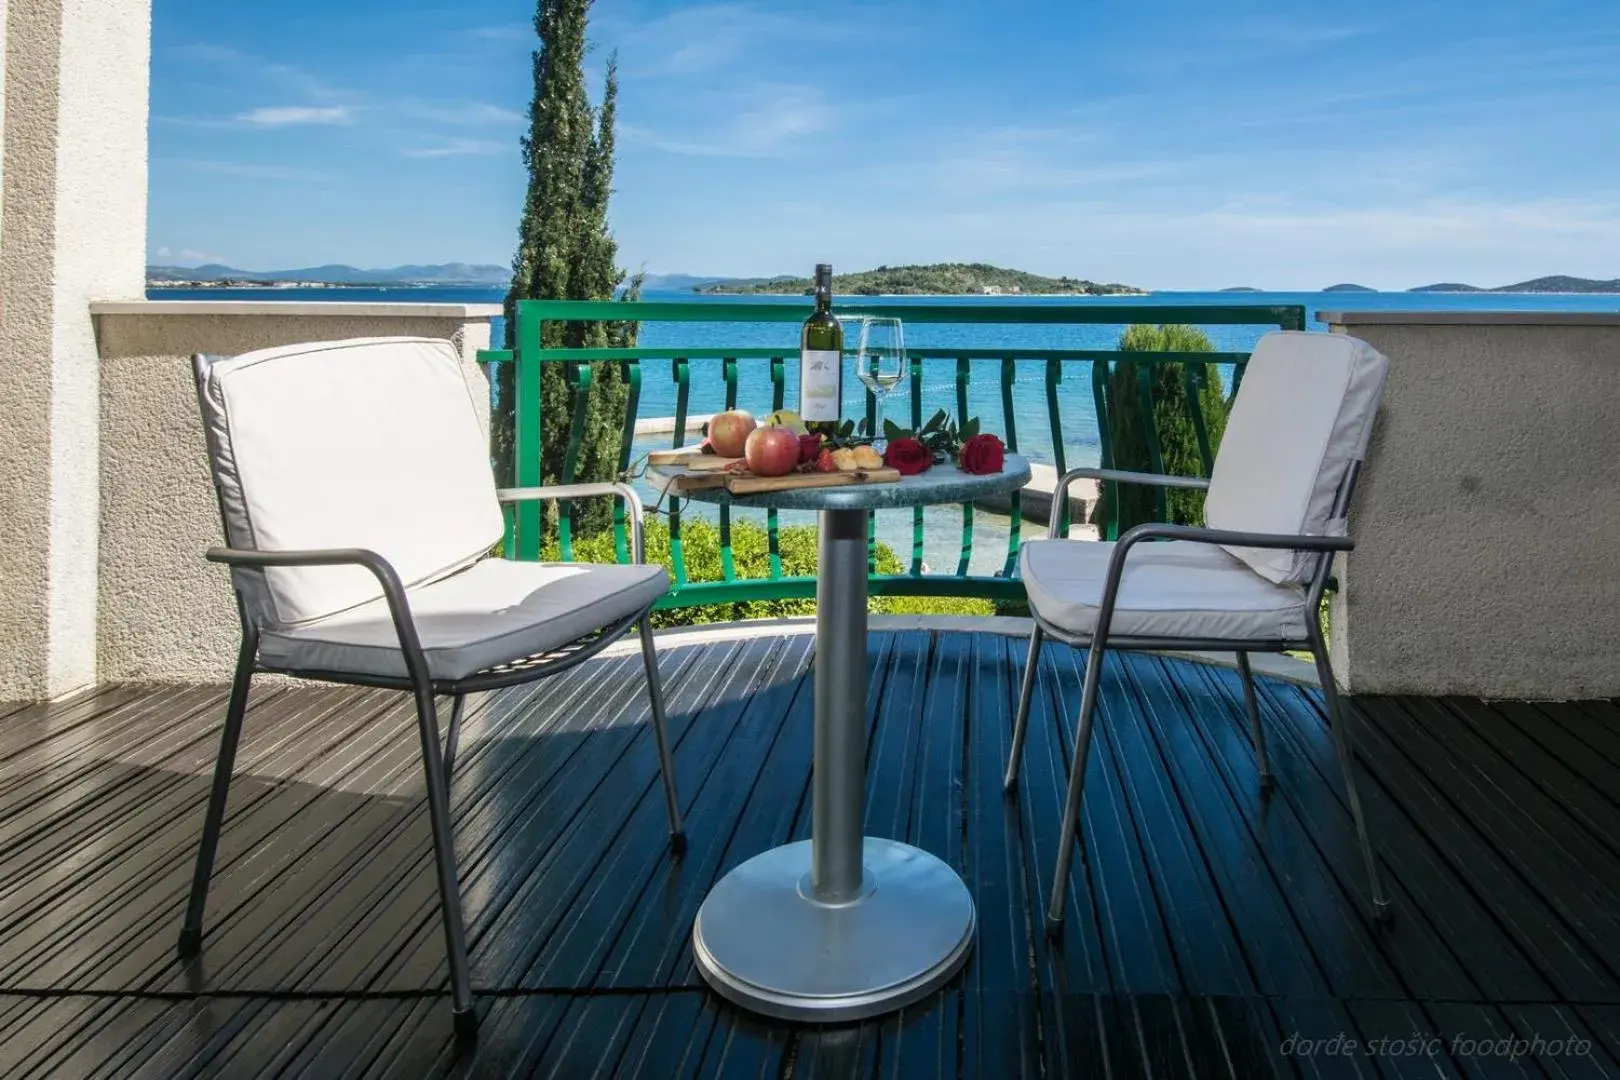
[
  {"x": 743, "y": 483},
  {"x": 690, "y": 457}
]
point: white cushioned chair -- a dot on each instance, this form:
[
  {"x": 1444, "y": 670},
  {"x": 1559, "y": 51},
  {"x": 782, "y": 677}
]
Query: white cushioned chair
[
  {"x": 359, "y": 511},
  {"x": 1252, "y": 581}
]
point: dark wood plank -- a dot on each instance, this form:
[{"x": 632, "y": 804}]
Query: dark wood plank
[
  {"x": 1309, "y": 846},
  {"x": 1438, "y": 911},
  {"x": 1205, "y": 927}
]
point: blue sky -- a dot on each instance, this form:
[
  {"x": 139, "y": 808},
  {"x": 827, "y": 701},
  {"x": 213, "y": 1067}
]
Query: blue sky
[{"x": 1162, "y": 143}]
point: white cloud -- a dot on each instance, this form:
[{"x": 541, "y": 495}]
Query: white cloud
[
  {"x": 766, "y": 127},
  {"x": 288, "y": 115},
  {"x": 464, "y": 114},
  {"x": 701, "y": 38},
  {"x": 459, "y": 148},
  {"x": 185, "y": 257},
  {"x": 251, "y": 171}
]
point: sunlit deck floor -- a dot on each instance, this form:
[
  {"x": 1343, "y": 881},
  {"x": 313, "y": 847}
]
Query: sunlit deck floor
[{"x": 1206, "y": 928}]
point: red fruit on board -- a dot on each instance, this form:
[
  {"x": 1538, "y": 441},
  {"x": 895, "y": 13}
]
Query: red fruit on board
[
  {"x": 728, "y": 432},
  {"x": 771, "y": 451},
  {"x": 825, "y": 462},
  {"x": 809, "y": 448}
]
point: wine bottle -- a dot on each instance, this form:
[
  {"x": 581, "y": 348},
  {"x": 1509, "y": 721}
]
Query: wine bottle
[{"x": 821, "y": 361}]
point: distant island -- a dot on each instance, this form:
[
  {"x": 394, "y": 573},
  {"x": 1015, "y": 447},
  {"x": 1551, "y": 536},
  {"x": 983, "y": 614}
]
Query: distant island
[
  {"x": 215, "y": 276},
  {"x": 1557, "y": 283},
  {"x": 1348, "y": 286},
  {"x": 937, "y": 279}
]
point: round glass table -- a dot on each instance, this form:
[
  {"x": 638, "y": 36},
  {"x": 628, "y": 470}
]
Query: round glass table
[{"x": 842, "y": 926}]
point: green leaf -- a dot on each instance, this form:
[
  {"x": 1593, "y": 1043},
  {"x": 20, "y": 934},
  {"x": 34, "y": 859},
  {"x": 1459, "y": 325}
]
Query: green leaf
[
  {"x": 971, "y": 429},
  {"x": 935, "y": 421},
  {"x": 892, "y": 430}
]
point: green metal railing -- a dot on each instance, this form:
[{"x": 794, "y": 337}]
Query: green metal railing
[{"x": 524, "y": 538}]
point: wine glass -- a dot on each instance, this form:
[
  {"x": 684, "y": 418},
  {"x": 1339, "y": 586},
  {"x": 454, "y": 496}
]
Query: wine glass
[{"x": 880, "y": 363}]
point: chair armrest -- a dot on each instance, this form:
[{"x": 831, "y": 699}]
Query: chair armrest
[
  {"x": 632, "y": 503},
  {"x": 1198, "y": 535},
  {"x": 1118, "y": 476},
  {"x": 393, "y": 589},
  {"x": 1157, "y": 531}
]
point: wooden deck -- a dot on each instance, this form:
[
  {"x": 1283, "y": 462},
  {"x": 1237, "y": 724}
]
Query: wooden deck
[{"x": 1209, "y": 932}]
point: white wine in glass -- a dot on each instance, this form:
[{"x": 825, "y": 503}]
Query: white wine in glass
[{"x": 881, "y": 362}]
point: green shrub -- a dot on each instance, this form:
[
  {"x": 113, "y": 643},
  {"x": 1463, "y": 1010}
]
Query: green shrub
[
  {"x": 750, "y": 551},
  {"x": 1172, "y": 425}
]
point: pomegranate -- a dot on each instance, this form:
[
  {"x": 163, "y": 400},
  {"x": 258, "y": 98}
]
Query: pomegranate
[
  {"x": 771, "y": 451},
  {"x": 728, "y": 432}
]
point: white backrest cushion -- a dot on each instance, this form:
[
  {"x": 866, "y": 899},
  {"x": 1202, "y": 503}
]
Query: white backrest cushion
[
  {"x": 1302, "y": 416},
  {"x": 370, "y": 443}
]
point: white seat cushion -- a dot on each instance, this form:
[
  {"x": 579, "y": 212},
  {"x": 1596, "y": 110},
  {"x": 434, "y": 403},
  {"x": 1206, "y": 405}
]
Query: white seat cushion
[
  {"x": 492, "y": 613},
  {"x": 1301, "y": 418},
  {"x": 1177, "y": 589},
  {"x": 371, "y": 443}
]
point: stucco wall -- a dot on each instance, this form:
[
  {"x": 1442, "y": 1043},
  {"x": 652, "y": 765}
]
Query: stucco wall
[
  {"x": 74, "y": 227},
  {"x": 165, "y": 614},
  {"x": 1488, "y": 516}
]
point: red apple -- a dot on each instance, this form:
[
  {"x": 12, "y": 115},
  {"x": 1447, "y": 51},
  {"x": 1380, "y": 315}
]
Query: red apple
[
  {"x": 771, "y": 451},
  {"x": 728, "y": 432}
]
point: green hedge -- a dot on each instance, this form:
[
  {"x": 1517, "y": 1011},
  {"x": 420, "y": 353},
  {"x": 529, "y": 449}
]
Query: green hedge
[
  {"x": 750, "y": 551},
  {"x": 1171, "y": 425}
]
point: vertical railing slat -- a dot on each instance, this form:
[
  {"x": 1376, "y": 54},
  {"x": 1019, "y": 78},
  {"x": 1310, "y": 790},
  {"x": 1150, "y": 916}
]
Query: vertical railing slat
[
  {"x": 964, "y": 372},
  {"x": 1107, "y": 491},
  {"x": 1009, "y": 376},
  {"x": 579, "y": 392},
  {"x": 1150, "y": 423},
  {"x": 1195, "y": 378},
  {"x": 728, "y": 565},
  {"x": 526, "y": 434},
  {"x": 1054, "y": 415},
  {"x": 871, "y": 515},
  {"x": 681, "y": 372},
  {"x": 917, "y": 531},
  {"x": 772, "y": 539},
  {"x": 627, "y": 439}
]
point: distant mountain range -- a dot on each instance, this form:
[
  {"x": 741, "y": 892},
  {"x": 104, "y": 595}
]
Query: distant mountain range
[
  {"x": 336, "y": 274},
  {"x": 944, "y": 278},
  {"x": 1557, "y": 283},
  {"x": 935, "y": 279}
]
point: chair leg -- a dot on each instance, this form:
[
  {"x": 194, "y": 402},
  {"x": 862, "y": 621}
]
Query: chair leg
[
  {"x": 1077, "y": 780},
  {"x": 1257, "y": 734},
  {"x": 191, "y": 930},
  {"x": 1021, "y": 721},
  {"x": 1344, "y": 747},
  {"x": 444, "y": 851},
  {"x": 666, "y": 766},
  {"x": 453, "y": 737}
]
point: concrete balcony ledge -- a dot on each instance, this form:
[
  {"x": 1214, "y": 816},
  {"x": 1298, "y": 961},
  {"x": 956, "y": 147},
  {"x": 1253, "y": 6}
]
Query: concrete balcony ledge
[
  {"x": 298, "y": 309},
  {"x": 1469, "y": 318}
]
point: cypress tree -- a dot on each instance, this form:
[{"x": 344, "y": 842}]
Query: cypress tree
[
  {"x": 1130, "y": 425},
  {"x": 566, "y": 252}
]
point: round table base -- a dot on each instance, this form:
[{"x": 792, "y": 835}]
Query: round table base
[{"x": 763, "y": 943}]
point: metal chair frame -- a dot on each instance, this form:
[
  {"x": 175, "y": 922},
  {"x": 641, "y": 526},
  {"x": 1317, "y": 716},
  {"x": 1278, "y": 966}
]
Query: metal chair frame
[
  {"x": 1100, "y": 640},
  {"x": 438, "y": 764}
]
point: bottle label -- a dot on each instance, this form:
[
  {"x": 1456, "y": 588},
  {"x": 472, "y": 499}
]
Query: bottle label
[{"x": 818, "y": 384}]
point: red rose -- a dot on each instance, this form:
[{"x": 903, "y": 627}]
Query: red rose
[
  {"x": 809, "y": 448},
  {"x": 907, "y": 456},
  {"x": 982, "y": 455}
]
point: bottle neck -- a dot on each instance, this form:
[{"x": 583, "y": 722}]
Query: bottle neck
[{"x": 823, "y": 292}]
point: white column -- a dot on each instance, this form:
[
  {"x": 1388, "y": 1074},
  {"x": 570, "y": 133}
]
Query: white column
[{"x": 72, "y": 229}]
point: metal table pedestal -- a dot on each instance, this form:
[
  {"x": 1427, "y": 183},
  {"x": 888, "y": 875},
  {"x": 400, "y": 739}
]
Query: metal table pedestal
[{"x": 839, "y": 927}]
